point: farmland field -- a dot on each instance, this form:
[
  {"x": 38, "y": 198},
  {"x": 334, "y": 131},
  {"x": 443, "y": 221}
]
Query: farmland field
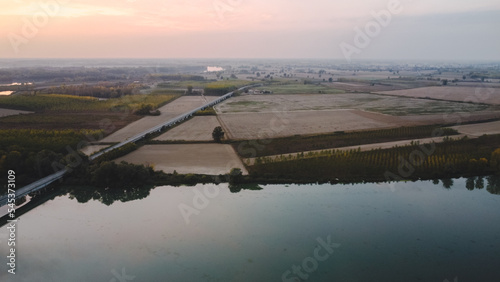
[
  {"x": 212, "y": 159},
  {"x": 476, "y": 130},
  {"x": 481, "y": 94},
  {"x": 72, "y": 112},
  {"x": 384, "y": 85},
  {"x": 280, "y": 124},
  {"x": 270, "y": 116},
  {"x": 369, "y": 102},
  {"x": 169, "y": 111},
  {"x": 300, "y": 89},
  {"x": 196, "y": 129}
]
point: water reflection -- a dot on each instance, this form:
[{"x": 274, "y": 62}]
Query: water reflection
[
  {"x": 107, "y": 196},
  {"x": 238, "y": 187},
  {"x": 492, "y": 186},
  {"x": 416, "y": 232},
  {"x": 447, "y": 183}
]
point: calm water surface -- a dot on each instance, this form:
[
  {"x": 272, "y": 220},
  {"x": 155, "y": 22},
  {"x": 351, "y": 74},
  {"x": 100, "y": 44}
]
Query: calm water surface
[{"x": 409, "y": 232}]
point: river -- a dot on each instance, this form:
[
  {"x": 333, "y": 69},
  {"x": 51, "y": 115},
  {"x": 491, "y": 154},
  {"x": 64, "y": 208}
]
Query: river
[{"x": 407, "y": 231}]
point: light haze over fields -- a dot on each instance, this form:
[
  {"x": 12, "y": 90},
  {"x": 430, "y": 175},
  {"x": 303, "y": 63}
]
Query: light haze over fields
[{"x": 424, "y": 29}]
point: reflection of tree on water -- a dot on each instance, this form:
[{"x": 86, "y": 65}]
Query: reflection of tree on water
[
  {"x": 493, "y": 185},
  {"x": 235, "y": 188},
  {"x": 476, "y": 182},
  {"x": 469, "y": 183},
  {"x": 107, "y": 195},
  {"x": 447, "y": 183},
  {"x": 480, "y": 182}
]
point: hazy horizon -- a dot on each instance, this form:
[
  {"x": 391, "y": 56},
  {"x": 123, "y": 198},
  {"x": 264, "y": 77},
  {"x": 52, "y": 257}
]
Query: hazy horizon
[{"x": 354, "y": 30}]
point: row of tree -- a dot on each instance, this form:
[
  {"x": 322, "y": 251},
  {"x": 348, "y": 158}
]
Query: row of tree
[
  {"x": 447, "y": 159},
  {"x": 294, "y": 144}
]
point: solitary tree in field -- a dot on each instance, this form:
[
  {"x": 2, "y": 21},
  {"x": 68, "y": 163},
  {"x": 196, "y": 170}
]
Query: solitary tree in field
[
  {"x": 189, "y": 89},
  {"x": 217, "y": 134}
]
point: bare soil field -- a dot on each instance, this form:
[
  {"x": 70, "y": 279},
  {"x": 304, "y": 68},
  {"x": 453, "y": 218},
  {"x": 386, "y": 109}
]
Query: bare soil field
[
  {"x": 452, "y": 93},
  {"x": 169, "y": 111},
  {"x": 476, "y": 130},
  {"x": 270, "y": 116},
  {"x": 212, "y": 159},
  {"x": 8, "y": 112},
  {"x": 398, "y": 106},
  {"x": 367, "y": 87},
  {"x": 450, "y": 118},
  {"x": 280, "y": 124},
  {"x": 196, "y": 129}
]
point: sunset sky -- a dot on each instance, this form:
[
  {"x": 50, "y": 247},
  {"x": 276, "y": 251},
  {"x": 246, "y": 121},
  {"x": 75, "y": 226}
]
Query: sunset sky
[{"x": 423, "y": 29}]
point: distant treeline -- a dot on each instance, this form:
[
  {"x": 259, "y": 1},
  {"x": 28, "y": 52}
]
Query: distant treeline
[
  {"x": 87, "y": 74},
  {"x": 453, "y": 158},
  {"x": 101, "y": 90},
  {"x": 177, "y": 77}
]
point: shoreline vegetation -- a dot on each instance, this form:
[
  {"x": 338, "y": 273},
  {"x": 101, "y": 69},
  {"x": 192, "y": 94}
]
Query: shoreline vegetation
[{"x": 449, "y": 159}]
